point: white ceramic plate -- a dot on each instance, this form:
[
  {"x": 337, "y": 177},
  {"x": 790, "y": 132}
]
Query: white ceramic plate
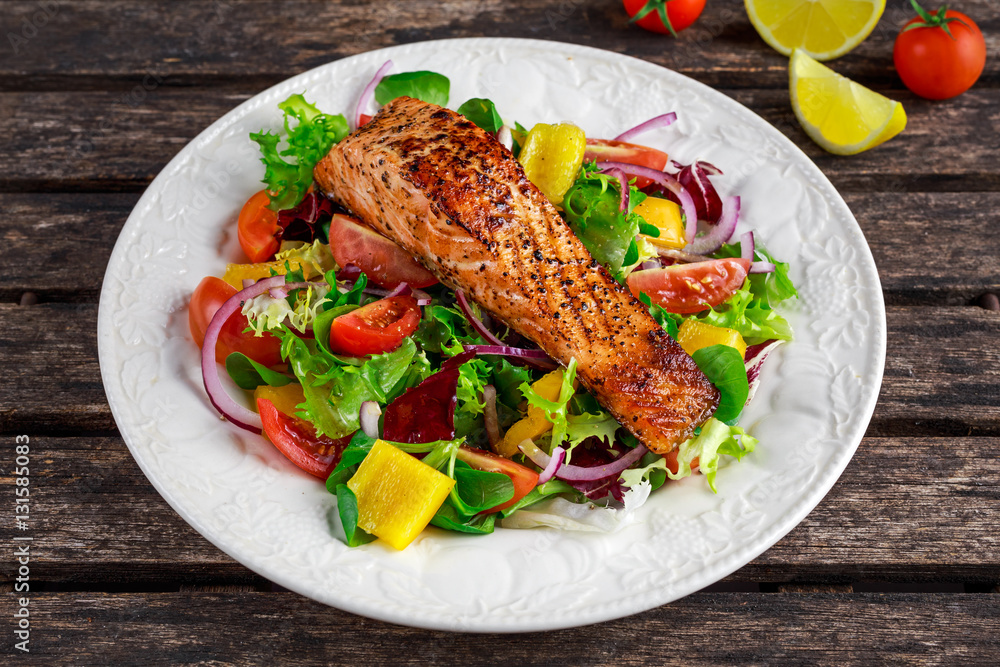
[{"x": 816, "y": 399}]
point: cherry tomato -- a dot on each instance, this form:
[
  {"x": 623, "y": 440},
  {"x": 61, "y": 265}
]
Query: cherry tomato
[
  {"x": 297, "y": 440},
  {"x": 378, "y": 327},
  {"x": 208, "y": 297},
  {"x": 524, "y": 479},
  {"x": 934, "y": 64},
  {"x": 689, "y": 288},
  {"x": 606, "y": 150},
  {"x": 256, "y": 228},
  {"x": 385, "y": 263},
  {"x": 680, "y": 14}
]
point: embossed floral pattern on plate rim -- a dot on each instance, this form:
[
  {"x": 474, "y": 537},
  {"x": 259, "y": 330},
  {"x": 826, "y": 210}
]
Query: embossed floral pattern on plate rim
[{"x": 811, "y": 412}]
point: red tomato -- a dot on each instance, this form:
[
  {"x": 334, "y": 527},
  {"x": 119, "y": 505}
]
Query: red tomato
[
  {"x": 935, "y": 65},
  {"x": 385, "y": 263},
  {"x": 606, "y": 150},
  {"x": 524, "y": 479},
  {"x": 363, "y": 119},
  {"x": 378, "y": 327},
  {"x": 208, "y": 297},
  {"x": 297, "y": 440},
  {"x": 256, "y": 228},
  {"x": 689, "y": 288},
  {"x": 680, "y": 14}
]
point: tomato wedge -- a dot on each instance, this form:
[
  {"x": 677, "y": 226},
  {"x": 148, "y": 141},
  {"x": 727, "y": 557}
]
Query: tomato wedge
[
  {"x": 207, "y": 298},
  {"x": 256, "y": 228},
  {"x": 606, "y": 150},
  {"x": 524, "y": 479},
  {"x": 385, "y": 263},
  {"x": 297, "y": 440},
  {"x": 690, "y": 288},
  {"x": 378, "y": 327}
]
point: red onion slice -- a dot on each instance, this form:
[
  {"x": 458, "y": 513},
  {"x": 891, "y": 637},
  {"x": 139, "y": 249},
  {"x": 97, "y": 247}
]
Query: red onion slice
[
  {"x": 649, "y": 264},
  {"x": 574, "y": 473},
  {"x": 555, "y": 462},
  {"x": 369, "y": 414},
  {"x": 651, "y": 124},
  {"x": 668, "y": 182},
  {"x": 505, "y": 137},
  {"x": 402, "y": 289},
  {"x": 221, "y": 400},
  {"x": 747, "y": 246},
  {"x": 369, "y": 92},
  {"x": 490, "y": 418},
  {"x": 721, "y": 232},
  {"x": 477, "y": 324},
  {"x": 762, "y": 267},
  {"x": 622, "y": 185},
  {"x": 507, "y": 351}
]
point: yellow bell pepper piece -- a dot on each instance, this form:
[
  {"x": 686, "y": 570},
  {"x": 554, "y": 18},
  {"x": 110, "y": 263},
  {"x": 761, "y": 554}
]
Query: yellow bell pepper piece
[
  {"x": 552, "y": 156},
  {"x": 665, "y": 215},
  {"x": 694, "y": 335},
  {"x": 536, "y": 422},
  {"x": 286, "y": 399},
  {"x": 397, "y": 494},
  {"x": 236, "y": 273}
]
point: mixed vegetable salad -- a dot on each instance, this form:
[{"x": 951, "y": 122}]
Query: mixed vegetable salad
[{"x": 412, "y": 404}]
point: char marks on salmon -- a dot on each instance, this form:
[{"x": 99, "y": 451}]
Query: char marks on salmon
[{"x": 454, "y": 197}]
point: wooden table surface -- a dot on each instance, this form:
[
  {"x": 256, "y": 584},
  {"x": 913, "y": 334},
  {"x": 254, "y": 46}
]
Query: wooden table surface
[{"x": 900, "y": 562}]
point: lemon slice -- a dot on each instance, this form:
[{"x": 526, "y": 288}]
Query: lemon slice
[
  {"x": 824, "y": 29},
  {"x": 838, "y": 114}
]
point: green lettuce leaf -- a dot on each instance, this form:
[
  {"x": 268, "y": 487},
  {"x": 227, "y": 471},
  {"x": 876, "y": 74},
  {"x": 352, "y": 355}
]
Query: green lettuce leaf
[
  {"x": 309, "y": 134},
  {"x": 556, "y": 411},
  {"x": 483, "y": 113},
  {"x": 724, "y": 367},
  {"x": 248, "y": 374},
  {"x": 591, "y": 207},
  {"x": 429, "y": 87},
  {"x": 715, "y": 440}
]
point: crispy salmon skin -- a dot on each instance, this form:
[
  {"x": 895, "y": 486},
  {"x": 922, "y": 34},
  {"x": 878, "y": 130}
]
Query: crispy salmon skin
[{"x": 455, "y": 198}]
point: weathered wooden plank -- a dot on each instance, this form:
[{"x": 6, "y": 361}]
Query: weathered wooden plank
[
  {"x": 107, "y": 141},
  {"x": 57, "y": 245},
  {"x": 942, "y": 376},
  {"x": 906, "y": 509},
  {"x": 703, "y": 629},
  {"x": 59, "y": 44}
]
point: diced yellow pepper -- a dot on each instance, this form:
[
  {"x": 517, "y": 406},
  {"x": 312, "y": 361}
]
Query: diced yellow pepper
[
  {"x": 552, "y": 156},
  {"x": 665, "y": 215},
  {"x": 536, "y": 422},
  {"x": 695, "y": 334},
  {"x": 286, "y": 399},
  {"x": 398, "y": 494},
  {"x": 236, "y": 273}
]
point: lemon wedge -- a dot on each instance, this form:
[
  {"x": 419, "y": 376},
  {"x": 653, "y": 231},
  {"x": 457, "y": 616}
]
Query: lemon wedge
[
  {"x": 838, "y": 114},
  {"x": 824, "y": 29}
]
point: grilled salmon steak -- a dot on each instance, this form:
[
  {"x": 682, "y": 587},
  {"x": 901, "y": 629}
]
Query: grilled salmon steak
[{"x": 455, "y": 198}]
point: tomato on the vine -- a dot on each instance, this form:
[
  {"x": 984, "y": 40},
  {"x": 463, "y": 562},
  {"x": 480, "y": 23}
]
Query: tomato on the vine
[
  {"x": 208, "y": 297},
  {"x": 378, "y": 327},
  {"x": 940, "y": 55},
  {"x": 691, "y": 288},
  {"x": 664, "y": 16}
]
